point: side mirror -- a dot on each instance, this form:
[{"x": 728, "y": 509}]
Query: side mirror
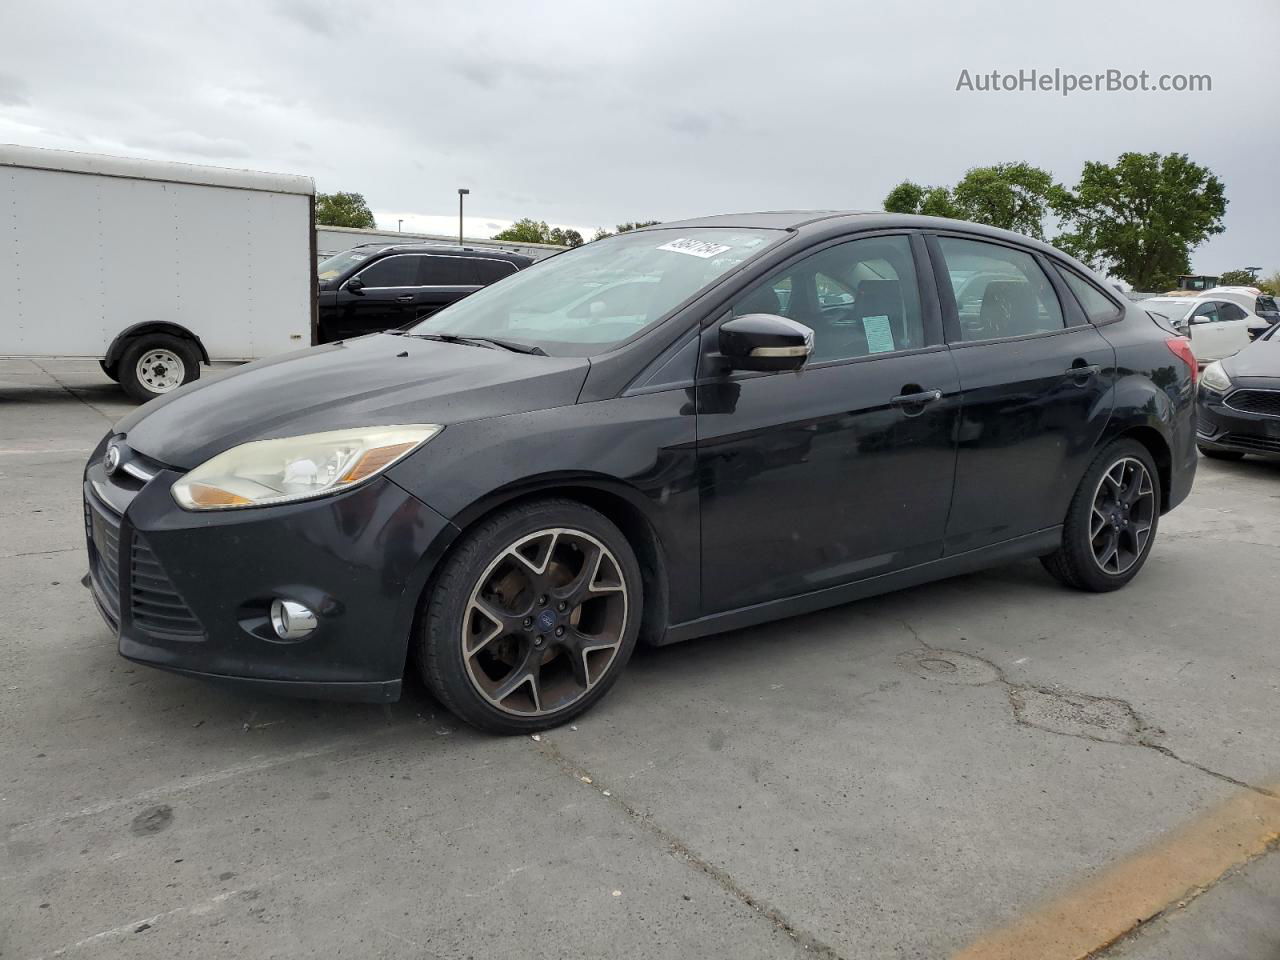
[
  {"x": 355, "y": 285},
  {"x": 764, "y": 341}
]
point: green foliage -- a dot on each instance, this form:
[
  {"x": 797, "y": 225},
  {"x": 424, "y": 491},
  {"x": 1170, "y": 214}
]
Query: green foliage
[
  {"x": 1140, "y": 218},
  {"x": 528, "y": 230},
  {"x": 1239, "y": 278},
  {"x": 1012, "y": 196},
  {"x": 627, "y": 227},
  {"x": 343, "y": 210},
  {"x": 1270, "y": 284}
]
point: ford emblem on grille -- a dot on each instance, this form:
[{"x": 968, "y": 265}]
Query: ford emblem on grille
[{"x": 111, "y": 462}]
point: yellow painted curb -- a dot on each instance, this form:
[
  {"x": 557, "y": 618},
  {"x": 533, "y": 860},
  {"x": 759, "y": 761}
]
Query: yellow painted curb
[{"x": 1178, "y": 866}]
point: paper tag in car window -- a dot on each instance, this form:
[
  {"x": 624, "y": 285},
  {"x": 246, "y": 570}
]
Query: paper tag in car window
[
  {"x": 357, "y": 256},
  {"x": 879, "y": 335},
  {"x": 695, "y": 248}
]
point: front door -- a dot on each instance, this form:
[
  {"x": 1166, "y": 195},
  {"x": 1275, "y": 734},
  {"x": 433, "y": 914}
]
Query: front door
[
  {"x": 842, "y": 470},
  {"x": 1036, "y": 392},
  {"x": 385, "y": 299}
]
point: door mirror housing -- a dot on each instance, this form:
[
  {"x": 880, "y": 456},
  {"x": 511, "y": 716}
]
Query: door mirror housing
[
  {"x": 765, "y": 341},
  {"x": 355, "y": 285}
]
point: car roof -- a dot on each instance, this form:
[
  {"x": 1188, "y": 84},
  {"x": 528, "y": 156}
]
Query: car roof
[
  {"x": 443, "y": 249},
  {"x": 838, "y": 221}
]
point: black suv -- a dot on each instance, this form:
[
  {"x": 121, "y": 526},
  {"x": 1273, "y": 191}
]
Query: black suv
[{"x": 376, "y": 287}]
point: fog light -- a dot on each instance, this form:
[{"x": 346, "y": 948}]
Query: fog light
[{"x": 291, "y": 620}]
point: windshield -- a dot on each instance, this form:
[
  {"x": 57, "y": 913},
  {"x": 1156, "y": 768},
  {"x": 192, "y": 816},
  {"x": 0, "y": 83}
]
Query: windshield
[
  {"x": 339, "y": 264},
  {"x": 1266, "y": 305},
  {"x": 590, "y": 299}
]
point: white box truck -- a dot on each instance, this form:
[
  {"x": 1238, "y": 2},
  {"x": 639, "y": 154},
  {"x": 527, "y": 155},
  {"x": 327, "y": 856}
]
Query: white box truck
[{"x": 152, "y": 268}]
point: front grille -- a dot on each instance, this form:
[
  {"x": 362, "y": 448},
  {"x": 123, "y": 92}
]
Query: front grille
[
  {"x": 1265, "y": 402},
  {"x": 1261, "y": 444},
  {"x": 103, "y": 528},
  {"x": 155, "y": 604}
]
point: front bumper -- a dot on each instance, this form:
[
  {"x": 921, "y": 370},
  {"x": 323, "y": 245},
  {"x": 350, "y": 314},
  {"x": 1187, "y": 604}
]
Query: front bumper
[
  {"x": 191, "y": 592},
  {"x": 1222, "y": 426}
]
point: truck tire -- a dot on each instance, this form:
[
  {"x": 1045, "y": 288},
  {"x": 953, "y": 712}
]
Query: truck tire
[
  {"x": 112, "y": 371},
  {"x": 157, "y": 363}
]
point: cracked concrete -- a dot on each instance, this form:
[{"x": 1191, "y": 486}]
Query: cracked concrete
[{"x": 821, "y": 786}]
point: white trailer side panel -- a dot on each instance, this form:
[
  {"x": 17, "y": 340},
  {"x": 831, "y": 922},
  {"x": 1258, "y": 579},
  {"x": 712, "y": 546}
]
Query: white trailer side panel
[{"x": 84, "y": 256}]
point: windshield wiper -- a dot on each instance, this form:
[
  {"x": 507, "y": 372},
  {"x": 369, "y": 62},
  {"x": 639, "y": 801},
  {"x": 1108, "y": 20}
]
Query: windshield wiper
[{"x": 490, "y": 343}]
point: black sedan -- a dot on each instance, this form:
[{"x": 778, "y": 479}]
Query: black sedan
[
  {"x": 661, "y": 435},
  {"x": 1238, "y": 410}
]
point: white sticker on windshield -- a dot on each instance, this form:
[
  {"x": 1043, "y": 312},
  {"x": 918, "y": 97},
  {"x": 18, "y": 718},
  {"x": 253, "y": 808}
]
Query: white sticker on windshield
[
  {"x": 879, "y": 335},
  {"x": 695, "y": 248},
  {"x": 358, "y": 256}
]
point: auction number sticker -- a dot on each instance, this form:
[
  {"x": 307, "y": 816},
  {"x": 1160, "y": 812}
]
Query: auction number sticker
[{"x": 696, "y": 248}]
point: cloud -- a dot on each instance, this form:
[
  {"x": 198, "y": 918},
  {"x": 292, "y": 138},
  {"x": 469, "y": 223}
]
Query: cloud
[{"x": 13, "y": 91}]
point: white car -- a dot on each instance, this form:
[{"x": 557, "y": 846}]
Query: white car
[
  {"x": 1218, "y": 328},
  {"x": 1261, "y": 307}
]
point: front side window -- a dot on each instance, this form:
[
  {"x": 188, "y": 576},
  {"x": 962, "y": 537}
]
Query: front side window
[
  {"x": 394, "y": 271},
  {"x": 859, "y": 298},
  {"x": 1000, "y": 291},
  {"x": 1097, "y": 306},
  {"x": 590, "y": 299},
  {"x": 1206, "y": 313}
]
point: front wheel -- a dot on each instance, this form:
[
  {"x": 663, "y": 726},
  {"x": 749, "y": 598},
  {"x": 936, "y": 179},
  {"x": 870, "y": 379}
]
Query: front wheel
[
  {"x": 1111, "y": 523},
  {"x": 157, "y": 363},
  {"x": 532, "y": 618}
]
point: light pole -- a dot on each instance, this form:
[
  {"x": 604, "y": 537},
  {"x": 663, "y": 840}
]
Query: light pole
[
  {"x": 399, "y": 223},
  {"x": 462, "y": 192}
]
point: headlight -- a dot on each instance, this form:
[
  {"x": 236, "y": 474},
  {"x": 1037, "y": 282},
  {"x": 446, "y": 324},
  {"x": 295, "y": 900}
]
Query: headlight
[
  {"x": 297, "y": 468},
  {"x": 1215, "y": 378}
]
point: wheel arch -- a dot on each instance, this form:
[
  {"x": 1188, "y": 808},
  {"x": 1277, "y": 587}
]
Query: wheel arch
[
  {"x": 621, "y": 503},
  {"x": 1161, "y": 453},
  {"x": 121, "y": 342}
]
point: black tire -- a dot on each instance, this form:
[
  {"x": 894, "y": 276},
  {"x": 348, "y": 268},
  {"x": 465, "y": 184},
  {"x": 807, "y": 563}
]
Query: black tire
[
  {"x": 1074, "y": 563},
  {"x": 136, "y": 384},
  {"x": 111, "y": 371},
  {"x": 475, "y": 564},
  {"x": 1222, "y": 454}
]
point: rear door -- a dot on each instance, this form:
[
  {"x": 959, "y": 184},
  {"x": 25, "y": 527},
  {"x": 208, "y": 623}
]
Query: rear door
[
  {"x": 1235, "y": 320},
  {"x": 1035, "y": 385},
  {"x": 446, "y": 278}
]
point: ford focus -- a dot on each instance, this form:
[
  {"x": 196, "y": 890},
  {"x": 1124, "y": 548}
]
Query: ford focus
[{"x": 660, "y": 435}]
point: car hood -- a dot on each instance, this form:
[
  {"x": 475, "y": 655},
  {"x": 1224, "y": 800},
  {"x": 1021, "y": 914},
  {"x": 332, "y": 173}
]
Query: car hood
[
  {"x": 369, "y": 381},
  {"x": 1259, "y": 359}
]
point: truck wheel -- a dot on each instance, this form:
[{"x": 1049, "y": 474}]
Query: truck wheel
[
  {"x": 156, "y": 364},
  {"x": 112, "y": 371},
  {"x": 532, "y": 618}
]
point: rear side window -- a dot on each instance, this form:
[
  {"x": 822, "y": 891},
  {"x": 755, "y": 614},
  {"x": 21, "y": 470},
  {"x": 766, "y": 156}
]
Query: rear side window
[
  {"x": 487, "y": 271},
  {"x": 1229, "y": 311},
  {"x": 396, "y": 271},
  {"x": 999, "y": 291},
  {"x": 1097, "y": 306}
]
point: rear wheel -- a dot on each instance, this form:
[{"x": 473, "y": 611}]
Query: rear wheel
[
  {"x": 532, "y": 618},
  {"x": 1111, "y": 523},
  {"x": 1222, "y": 454},
  {"x": 157, "y": 363}
]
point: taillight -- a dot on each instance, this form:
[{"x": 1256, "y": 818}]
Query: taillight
[{"x": 1181, "y": 347}]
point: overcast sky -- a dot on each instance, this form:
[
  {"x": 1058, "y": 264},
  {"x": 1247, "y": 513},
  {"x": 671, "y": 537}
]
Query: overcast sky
[{"x": 590, "y": 113}]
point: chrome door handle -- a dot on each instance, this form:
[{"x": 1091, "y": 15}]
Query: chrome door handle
[
  {"x": 405, "y": 298},
  {"x": 1084, "y": 371}
]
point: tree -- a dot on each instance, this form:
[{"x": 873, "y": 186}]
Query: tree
[
  {"x": 1012, "y": 196},
  {"x": 343, "y": 210},
  {"x": 1271, "y": 284},
  {"x": 1239, "y": 278},
  {"x": 1140, "y": 218},
  {"x": 528, "y": 230},
  {"x": 627, "y": 227}
]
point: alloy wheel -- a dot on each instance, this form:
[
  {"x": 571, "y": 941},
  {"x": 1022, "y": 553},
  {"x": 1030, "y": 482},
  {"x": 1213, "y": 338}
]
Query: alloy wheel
[
  {"x": 1124, "y": 507},
  {"x": 544, "y": 622},
  {"x": 161, "y": 370}
]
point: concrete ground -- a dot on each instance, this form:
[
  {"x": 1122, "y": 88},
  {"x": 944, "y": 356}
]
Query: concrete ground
[{"x": 903, "y": 777}]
